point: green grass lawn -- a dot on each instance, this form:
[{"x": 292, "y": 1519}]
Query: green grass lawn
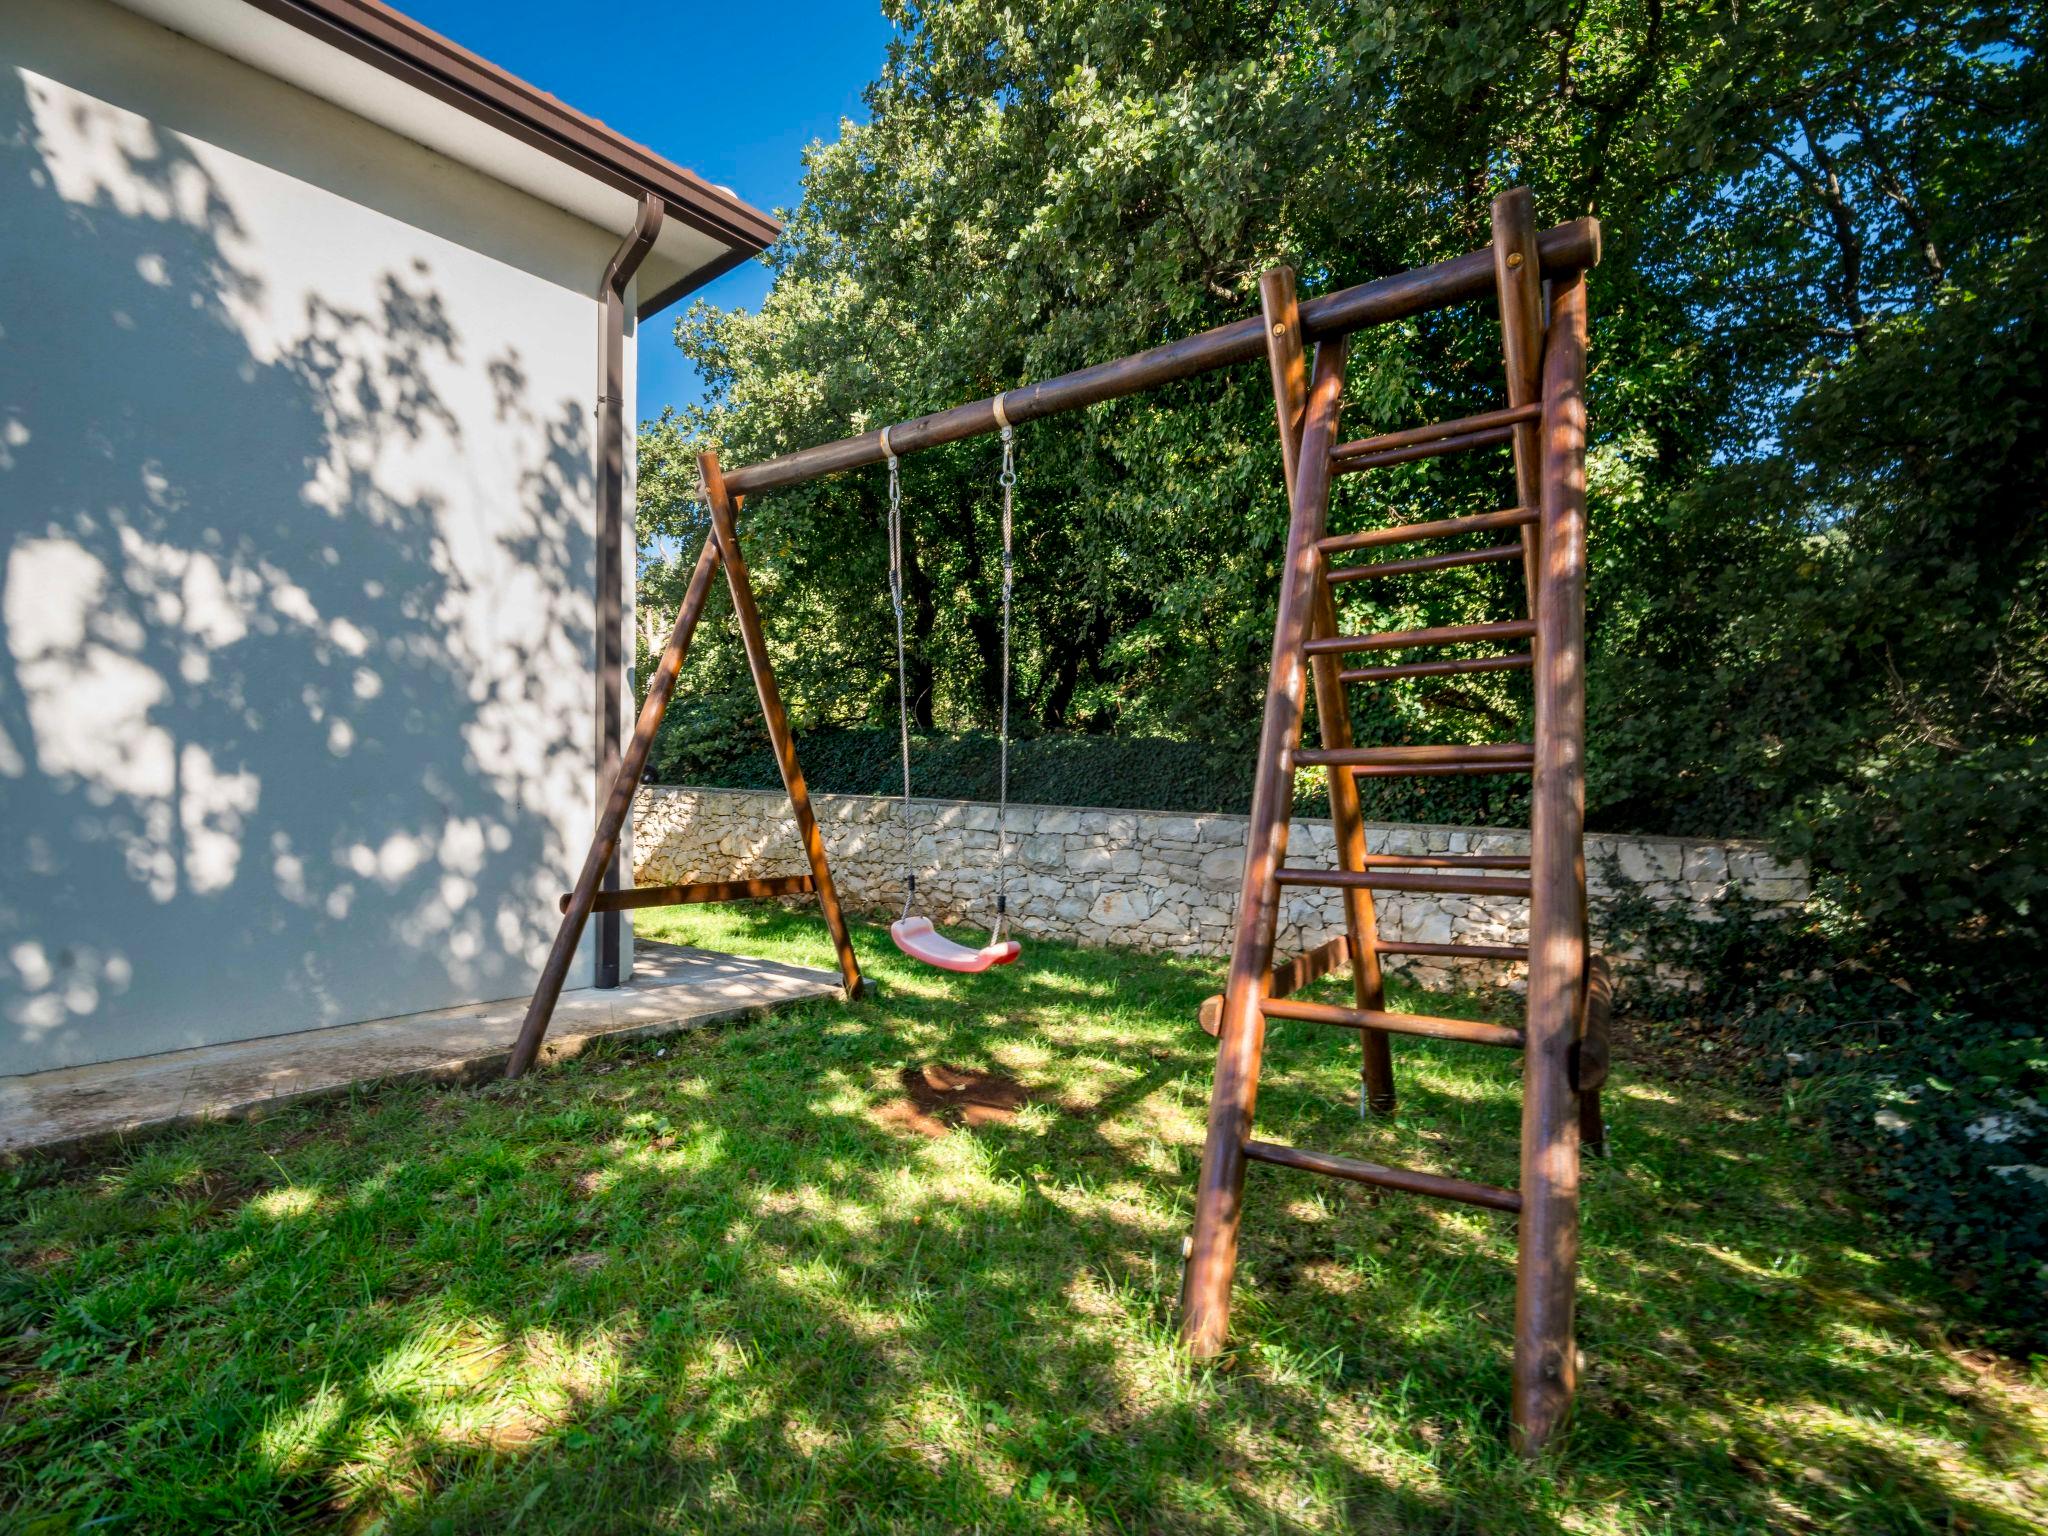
[{"x": 724, "y": 1281}]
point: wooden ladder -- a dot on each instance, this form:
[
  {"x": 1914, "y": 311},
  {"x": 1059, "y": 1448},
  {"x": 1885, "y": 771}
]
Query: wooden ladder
[{"x": 1562, "y": 1038}]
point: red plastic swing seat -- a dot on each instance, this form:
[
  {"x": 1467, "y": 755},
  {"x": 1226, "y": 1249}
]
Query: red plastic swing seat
[{"x": 917, "y": 938}]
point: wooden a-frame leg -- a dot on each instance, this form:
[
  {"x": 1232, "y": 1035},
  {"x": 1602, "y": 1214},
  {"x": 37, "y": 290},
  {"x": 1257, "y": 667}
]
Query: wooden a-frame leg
[
  {"x": 1288, "y": 363},
  {"x": 1219, "y": 1193},
  {"x": 749, "y": 616},
  {"x": 604, "y": 843},
  {"x": 1546, "y": 1368}
]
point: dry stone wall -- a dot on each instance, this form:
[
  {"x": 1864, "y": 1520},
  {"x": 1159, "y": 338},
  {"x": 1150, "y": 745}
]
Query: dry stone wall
[{"x": 1143, "y": 879}]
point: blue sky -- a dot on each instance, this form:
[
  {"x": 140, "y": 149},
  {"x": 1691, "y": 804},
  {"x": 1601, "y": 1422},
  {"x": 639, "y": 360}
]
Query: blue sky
[{"x": 731, "y": 91}]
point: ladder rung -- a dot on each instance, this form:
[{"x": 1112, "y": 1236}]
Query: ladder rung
[
  {"x": 1445, "y": 668},
  {"x": 1400, "y": 880},
  {"x": 1409, "y": 533},
  {"x": 1442, "y": 1186},
  {"x": 1491, "y": 437},
  {"x": 1447, "y": 861},
  {"x": 1426, "y": 563},
  {"x": 1441, "y": 770},
  {"x": 1459, "y": 951},
  {"x": 1428, "y": 752},
  {"x": 1402, "y": 639},
  {"x": 1427, "y": 1025},
  {"x": 1463, "y": 427},
  {"x": 691, "y": 895}
]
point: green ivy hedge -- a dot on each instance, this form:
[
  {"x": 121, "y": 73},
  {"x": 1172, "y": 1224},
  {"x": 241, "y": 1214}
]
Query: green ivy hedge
[
  {"x": 1936, "y": 1101},
  {"x": 1128, "y": 773}
]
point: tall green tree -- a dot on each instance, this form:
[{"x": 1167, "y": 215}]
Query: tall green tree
[{"x": 1816, "y": 467}]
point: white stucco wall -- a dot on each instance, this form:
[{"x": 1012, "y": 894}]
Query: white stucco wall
[{"x": 296, "y": 454}]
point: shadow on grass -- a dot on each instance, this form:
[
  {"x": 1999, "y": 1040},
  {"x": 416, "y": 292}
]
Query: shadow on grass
[{"x": 701, "y": 1283}]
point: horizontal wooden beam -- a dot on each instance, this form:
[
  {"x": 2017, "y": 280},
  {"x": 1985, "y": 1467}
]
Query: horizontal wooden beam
[
  {"x": 1446, "y": 884},
  {"x": 1440, "y": 770},
  {"x": 1424, "y": 563},
  {"x": 1513, "y": 661},
  {"x": 1458, "y": 951},
  {"x": 1567, "y": 248},
  {"x": 1441, "y": 1186},
  {"x": 1436, "y": 448},
  {"x": 696, "y": 895},
  {"x": 1446, "y": 861},
  {"x": 1437, "y": 431},
  {"x": 1409, "y": 639},
  {"x": 1427, "y": 1025},
  {"x": 1410, "y": 533},
  {"x": 1420, "y": 752}
]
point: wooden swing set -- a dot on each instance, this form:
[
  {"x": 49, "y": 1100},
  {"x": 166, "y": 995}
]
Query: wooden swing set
[{"x": 1538, "y": 281}]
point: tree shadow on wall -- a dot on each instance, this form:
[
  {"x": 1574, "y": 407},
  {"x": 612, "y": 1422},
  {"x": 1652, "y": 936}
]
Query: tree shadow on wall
[{"x": 276, "y": 707}]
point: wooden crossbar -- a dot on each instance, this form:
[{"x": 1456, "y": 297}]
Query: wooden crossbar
[
  {"x": 1442, "y": 1186},
  {"x": 1447, "y": 883},
  {"x": 1438, "y": 431},
  {"x": 1485, "y": 437},
  {"x": 1513, "y": 661},
  {"x": 692, "y": 895},
  {"x": 1444, "y": 528},
  {"x": 1427, "y": 1025},
  {"x": 1560, "y": 251},
  {"x": 1457, "y": 951},
  {"x": 1404, "y": 639},
  {"x": 1390, "y": 568}
]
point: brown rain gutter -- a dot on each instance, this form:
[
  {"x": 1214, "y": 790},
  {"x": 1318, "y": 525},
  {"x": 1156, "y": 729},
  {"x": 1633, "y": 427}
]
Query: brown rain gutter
[
  {"x": 399, "y": 46},
  {"x": 611, "y": 537}
]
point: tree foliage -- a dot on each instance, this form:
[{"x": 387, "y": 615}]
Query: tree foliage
[{"x": 1817, "y": 468}]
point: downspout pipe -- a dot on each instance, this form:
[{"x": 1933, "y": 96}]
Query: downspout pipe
[{"x": 611, "y": 539}]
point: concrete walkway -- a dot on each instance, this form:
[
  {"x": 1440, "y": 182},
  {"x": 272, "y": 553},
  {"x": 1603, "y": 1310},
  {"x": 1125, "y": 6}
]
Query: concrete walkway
[{"x": 77, "y": 1108}]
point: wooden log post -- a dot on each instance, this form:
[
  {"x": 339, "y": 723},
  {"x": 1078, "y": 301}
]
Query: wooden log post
[
  {"x": 749, "y": 616},
  {"x": 1518, "y": 280},
  {"x": 1287, "y": 361},
  {"x": 1219, "y": 1194},
  {"x": 1545, "y": 1372}
]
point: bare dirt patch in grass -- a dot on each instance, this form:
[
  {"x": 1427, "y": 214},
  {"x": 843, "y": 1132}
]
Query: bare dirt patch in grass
[{"x": 937, "y": 1099}]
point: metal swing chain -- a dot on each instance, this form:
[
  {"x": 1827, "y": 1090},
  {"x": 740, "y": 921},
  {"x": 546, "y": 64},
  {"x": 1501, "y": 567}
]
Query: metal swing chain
[
  {"x": 1009, "y": 484},
  {"x": 902, "y": 665}
]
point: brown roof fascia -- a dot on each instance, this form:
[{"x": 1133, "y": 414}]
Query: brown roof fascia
[
  {"x": 690, "y": 282},
  {"x": 401, "y": 47}
]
